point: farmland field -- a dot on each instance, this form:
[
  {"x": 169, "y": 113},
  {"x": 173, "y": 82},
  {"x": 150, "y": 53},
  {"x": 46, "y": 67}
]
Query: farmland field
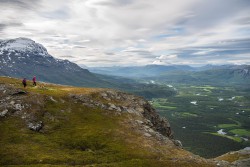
[{"x": 208, "y": 120}]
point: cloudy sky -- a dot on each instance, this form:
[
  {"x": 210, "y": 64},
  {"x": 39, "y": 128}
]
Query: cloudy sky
[{"x": 133, "y": 32}]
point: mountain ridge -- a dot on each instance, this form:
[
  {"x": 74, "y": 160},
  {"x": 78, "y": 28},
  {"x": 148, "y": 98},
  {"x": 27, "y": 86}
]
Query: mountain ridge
[{"x": 23, "y": 57}]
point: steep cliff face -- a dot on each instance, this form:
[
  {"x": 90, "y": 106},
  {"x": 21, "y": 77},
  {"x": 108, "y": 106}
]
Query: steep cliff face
[{"x": 60, "y": 125}]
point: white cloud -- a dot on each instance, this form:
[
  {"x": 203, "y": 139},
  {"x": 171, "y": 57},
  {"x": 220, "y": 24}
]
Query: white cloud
[
  {"x": 166, "y": 57},
  {"x": 136, "y": 32}
]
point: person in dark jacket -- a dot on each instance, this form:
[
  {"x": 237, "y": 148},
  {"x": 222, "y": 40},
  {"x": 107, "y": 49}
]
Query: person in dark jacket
[
  {"x": 24, "y": 83},
  {"x": 34, "y": 80}
]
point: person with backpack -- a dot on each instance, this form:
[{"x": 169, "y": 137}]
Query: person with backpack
[
  {"x": 34, "y": 80},
  {"x": 24, "y": 82}
]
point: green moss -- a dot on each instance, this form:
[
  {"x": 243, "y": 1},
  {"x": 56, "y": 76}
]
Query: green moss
[
  {"x": 241, "y": 132},
  {"x": 227, "y": 125},
  {"x": 185, "y": 114},
  {"x": 163, "y": 107}
]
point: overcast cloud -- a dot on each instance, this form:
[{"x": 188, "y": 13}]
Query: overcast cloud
[{"x": 133, "y": 32}]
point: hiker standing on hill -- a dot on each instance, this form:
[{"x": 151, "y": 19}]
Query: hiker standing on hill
[
  {"x": 24, "y": 82},
  {"x": 34, "y": 80}
]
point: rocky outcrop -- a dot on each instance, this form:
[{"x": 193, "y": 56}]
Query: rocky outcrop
[
  {"x": 147, "y": 119},
  {"x": 16, "y": 102},
  {"x": 239, "y": 158},
  {"x": 10, "y": 100},
  {"x": 37, "y": 126}
]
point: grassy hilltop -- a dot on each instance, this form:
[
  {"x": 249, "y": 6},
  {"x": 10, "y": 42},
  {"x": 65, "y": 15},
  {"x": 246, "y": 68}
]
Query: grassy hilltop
[
  {"x": 75, "y": 134},
  {"x": 55, "y": 125}
]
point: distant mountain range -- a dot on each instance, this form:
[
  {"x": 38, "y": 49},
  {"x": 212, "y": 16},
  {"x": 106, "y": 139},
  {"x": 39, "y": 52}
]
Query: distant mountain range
[
  {"x": 158, "y": 70},
  {"x": 218, "y": 75},
  {"x": 24, "y": 57},
  {"x": 209, "y": 74},
  {"x": 140, "y": 71}
]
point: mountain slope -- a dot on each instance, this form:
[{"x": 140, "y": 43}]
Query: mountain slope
[
  {"x": 23, "y": 57},
  {"x": 67, "y": 126}
]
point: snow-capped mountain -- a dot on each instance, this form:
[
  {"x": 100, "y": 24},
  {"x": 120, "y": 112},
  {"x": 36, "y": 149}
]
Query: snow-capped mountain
[
  {"x": 23, "y": 57},
  {"x": 22, "y": 45}
]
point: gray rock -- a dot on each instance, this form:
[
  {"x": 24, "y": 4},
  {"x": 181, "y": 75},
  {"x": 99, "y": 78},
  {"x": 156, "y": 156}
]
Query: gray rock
[
  {"x": 139, "y": 122},
  {"x": 18, "y": 107},
  {"x": 147, "y": 135},
  {"x": 118, "y": 109},
  {"x": 140, "y": 109},
  {"x": 112, "y": 106},
  {"x": 3, "y": 113},
  {"x": 35, "y": 126},
  {"x": 151, "y": 130},
  {"x": 241, "y": 163},
  {"x": 222, "y": 163},
  {"x": 130, "y": 110},
  {"x": 177, "y": 143},
  {"x": 24, "y": 116},
  {"x": 52, "y": 99},
  {"x": 12, "y": 102},
  {"x": 104, "y": 94}
]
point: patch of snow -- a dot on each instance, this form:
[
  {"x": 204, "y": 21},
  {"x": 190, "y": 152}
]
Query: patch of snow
[
  {"x": 183, "y": 127},
  {"x": 151, "y": 81},
  {"x": 232, "y": 98},
  {"x": 237, "y": 113},
  {"x": 247, "y": 149},
  {"x": 245, "y": 139},
  {"x": 243, "y": 111},
  {"x": 194, "y": 102},
  {"x": 220, "y": 99},
  {"x": 170, "y": 86},
  {"x": 221, "y": 132}
]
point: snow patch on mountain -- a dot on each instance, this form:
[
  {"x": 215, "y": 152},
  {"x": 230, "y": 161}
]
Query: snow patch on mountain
[{"x": 22, "y": 45}]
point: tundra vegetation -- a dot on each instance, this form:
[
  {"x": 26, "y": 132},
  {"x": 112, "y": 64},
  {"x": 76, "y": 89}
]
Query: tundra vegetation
[{"x": 51, "y": 125}]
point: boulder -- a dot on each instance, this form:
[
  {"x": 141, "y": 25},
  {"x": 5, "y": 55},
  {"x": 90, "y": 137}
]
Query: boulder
[
  {"x": 36, "y": 126},
  {"x": 177, "y": 143}
]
